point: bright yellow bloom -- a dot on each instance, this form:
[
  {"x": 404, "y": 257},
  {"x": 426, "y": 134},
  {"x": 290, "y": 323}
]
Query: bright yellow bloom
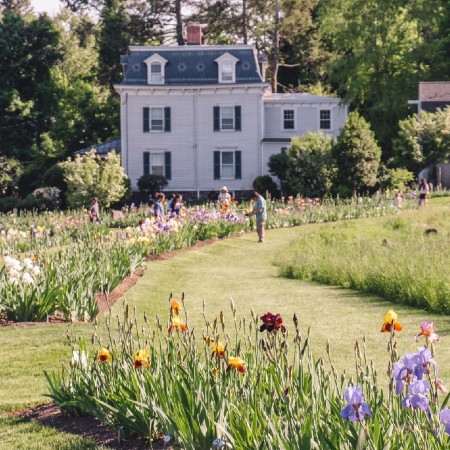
[
  {"x": 218, "y": 349},
  {"x": 103, "y": 355},
  {"x": 390, "y": 322},
  {"x": 215, "y": 371},
  {"x": 237, "y": 363},
  {"x": 175, "y": 305},
  {"x": 178, "y": 324},
  {"x": 141, "y": 359}
]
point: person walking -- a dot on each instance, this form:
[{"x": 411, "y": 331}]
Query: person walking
[
  {"x": 424, "y": 190},
  {"x": 158, "y": 207},
  {"x": 94, "y": 211},
  {"x": 260, "y": 213}
]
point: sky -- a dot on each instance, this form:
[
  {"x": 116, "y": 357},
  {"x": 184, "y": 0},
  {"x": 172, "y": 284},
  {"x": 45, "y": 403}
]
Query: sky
[{"x": 51, "y": 7}]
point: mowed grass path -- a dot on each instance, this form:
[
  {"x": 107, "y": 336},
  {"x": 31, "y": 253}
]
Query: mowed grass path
[{"x": 237, "y": 268}]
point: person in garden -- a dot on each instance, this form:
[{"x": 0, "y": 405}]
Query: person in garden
[
  {"x": 260, "y": 213},
  {"x": 158, "y": 207},
  {"x": 224, "y": 199},
  {"x": 176, "y": 205},
  {"x": 424, "y": 190},
  {"x": 94, "y": 211}
]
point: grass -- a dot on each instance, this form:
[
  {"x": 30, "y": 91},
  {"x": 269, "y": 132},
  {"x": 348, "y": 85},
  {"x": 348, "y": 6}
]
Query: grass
[{"x": 238, "y": 269}]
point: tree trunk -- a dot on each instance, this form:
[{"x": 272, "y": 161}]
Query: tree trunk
[
  {"x": 276, "y": 48},
  {"x": 179, "y": 24}
]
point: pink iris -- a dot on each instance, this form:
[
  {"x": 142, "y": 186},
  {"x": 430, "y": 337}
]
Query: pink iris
[{"x": 427, "y": 330}]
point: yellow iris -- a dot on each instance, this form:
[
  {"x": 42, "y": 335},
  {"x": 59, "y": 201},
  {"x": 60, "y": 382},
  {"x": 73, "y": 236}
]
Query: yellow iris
[
  {"x": 103, "y": 355},
  {"x": 390, "y": 322},
  {"x": 141, "y": 359},
  {"x": 178, "y": 324},
  {"x": 237, "y": 363}
]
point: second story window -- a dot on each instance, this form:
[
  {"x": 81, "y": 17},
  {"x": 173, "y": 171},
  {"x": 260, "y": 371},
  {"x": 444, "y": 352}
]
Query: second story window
[
  {"x": 288, "y": 119},
  {"x": 325, "y": 119},
  {"x": 227, "y": 118},
  {"x": 156, "y": 119}
]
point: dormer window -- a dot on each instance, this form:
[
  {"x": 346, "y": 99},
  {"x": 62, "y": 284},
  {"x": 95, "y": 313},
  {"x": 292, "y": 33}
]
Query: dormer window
[
  {"x": 156, "y": 69},
  {"x": 227, "y": 68},
  {"x": 155, "y": 72}
]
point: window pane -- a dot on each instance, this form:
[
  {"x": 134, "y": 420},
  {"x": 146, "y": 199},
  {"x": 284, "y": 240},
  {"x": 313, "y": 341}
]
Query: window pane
[
  {"x": 288, "y": 119},
  {"x": 227, "y": 114},
  {"x": 157, "y": 163},
  {"x": 227, "y": 71},
  {"x": 227, "y": 157},
  {"x": 156, "y": 119},
  {"x": 325, "y": 119},
  {"x": 155, "y": 72}
]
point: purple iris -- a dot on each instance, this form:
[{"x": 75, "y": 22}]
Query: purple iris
[
  {"x": 356, "y": 408},
  {"x": 403, "y": 372},
  {"x": 417, "y": 395},
  {"x": 444, "y": 418}
]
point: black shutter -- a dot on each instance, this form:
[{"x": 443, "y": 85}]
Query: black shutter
[
  {"x": 146, "y": 163},
  {"x": 217, "y": 165},
  {"x": 167, "y": 118},
  {"x": 167, "y": 165},
  {"x": 216, "y": 118},
  {"x": 237, "y": 118},
  {"x": 146, "y": 119},
  {"x": 237, "y": 165}
]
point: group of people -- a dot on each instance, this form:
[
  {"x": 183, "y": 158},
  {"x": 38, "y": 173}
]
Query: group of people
[{"x": 158, "y": 206}]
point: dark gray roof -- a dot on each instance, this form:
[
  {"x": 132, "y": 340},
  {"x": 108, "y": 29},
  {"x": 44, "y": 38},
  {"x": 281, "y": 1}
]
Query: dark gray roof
[
  {"x": 276, "y": 140},
  {"x": 190, "y": 65},
  {"x": 103, "y": 148}
]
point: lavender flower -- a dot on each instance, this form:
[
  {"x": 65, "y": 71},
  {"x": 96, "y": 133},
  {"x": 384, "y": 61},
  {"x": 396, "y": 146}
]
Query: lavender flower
[
  {"x": 444, "y": 418},
  {"x": 356, "y": 408}
]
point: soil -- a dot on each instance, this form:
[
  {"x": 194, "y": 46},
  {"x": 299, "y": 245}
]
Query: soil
[{"x": 51, "y": 416}]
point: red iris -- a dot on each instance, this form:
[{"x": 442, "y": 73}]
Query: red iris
[{"x": 272, "y": 322}]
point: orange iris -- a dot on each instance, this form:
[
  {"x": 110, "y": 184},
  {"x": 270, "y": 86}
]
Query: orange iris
[
  {"x": 175, "y": 305},
  {"x": 390, "y": 322},
  {"x": 237, "y": 363},
  {"x": 177, "y": 324}
]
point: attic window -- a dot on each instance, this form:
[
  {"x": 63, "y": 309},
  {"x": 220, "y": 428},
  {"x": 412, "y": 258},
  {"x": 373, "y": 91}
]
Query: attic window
[
  {"x": 156, "y": 65},
  {"x": 227, "y": 68}
]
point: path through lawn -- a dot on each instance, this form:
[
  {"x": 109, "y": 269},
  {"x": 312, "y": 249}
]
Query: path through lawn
[{"x": 243, "y": 270}]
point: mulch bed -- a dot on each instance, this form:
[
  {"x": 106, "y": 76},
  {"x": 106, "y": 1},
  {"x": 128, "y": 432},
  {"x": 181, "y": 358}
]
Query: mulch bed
[{"x": 51, "y": 416}]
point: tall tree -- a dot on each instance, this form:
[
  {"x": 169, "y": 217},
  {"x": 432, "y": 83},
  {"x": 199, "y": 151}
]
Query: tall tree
[
  {"x": 357, "y": 156},
  {"x": 375, "y": 60}
]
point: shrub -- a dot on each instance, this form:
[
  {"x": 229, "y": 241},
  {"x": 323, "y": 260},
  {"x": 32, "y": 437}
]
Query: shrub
[
  {"x": 151, "y": 184},
  {"x": 265, "y": 183}
]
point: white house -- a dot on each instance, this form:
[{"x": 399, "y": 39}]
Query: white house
[{"x": 203, "y": 116}]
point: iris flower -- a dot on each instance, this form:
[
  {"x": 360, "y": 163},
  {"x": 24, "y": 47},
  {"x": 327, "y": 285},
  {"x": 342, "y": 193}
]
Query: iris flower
[
  {"x": 427, "y": 330},
  {"x": 218, "y": 349},
  {"x": 141, "y": 359},
  {"x": 103, "y": 355},
  {"x": 417, "y": 395},
  {"x": 272, "y": 322},
  {"x": 444, "y": 418},
  {"x": 176, "y": 307},
  {"x": 237, "y": 363},
  {"x": 177, "y": 324},
  {"x": 356, "y": 408},
  {"x": 390, "y": 322}
]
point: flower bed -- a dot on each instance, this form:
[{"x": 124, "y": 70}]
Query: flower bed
[{"x": 259, "y": 388}]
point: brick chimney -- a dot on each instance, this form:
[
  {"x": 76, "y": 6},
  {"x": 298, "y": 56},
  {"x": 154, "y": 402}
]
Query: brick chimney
[{"x": 194, "y": 34}]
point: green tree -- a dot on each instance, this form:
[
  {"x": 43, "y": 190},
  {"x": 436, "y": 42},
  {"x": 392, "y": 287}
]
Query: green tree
[
  {"x": 310, "y": 169},
  {"x": 10, "y": 171},
  {"x": 357, "y": 156},
  {"x": 90, "y": 176},
  {"x": 423, "y": 141},
  {"x": 373, "y": 61}
]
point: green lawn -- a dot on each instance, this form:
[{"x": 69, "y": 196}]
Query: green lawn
[{"x": 238, "y": 269}]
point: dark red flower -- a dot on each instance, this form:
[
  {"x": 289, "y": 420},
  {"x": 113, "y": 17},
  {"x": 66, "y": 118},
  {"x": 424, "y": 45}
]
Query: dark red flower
[{"x": 272, "y": 322}]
